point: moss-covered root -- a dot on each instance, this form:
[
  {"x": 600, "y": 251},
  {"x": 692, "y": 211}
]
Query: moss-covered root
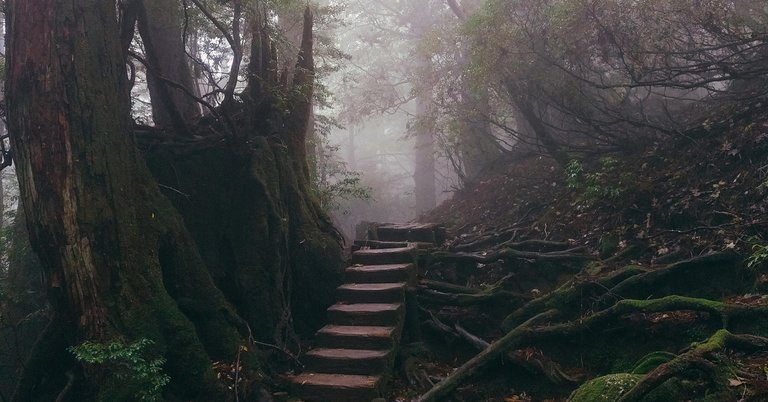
[
  {"x": 568, "y": 295},
  {"x": 695, "y": 358}
]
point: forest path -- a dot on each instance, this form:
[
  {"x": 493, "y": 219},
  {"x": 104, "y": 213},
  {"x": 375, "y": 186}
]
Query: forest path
[{"x": 355, "y": 353}]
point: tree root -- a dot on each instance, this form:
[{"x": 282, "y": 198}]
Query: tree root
[
  {"x": 527, "y": 332},
  {"x": 455, "y": 295},
  {"x": 651, "y": 278},
  {"x": 569, "y": 294},
  {"x": 696, "y": 358},
  {"x": 565, "y": 255}
]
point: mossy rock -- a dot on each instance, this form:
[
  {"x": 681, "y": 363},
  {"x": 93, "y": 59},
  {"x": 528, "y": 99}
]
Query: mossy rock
[{"x": 609, "y": 388}]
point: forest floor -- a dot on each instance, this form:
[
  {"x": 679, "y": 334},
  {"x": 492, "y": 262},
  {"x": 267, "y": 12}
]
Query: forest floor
[{"x": 609, "y": 243}]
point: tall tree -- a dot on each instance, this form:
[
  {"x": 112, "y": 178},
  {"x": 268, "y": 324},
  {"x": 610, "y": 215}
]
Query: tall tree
[{"x": 239, "y": 248}]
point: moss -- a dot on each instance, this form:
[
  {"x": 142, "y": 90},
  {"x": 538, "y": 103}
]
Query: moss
[
  {"x": 609, "y": 388},
  {"x": 608, "y": 245},
  {"x": 652, "y": 360}
]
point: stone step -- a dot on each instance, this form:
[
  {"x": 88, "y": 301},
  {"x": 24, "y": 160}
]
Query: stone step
[
  {"x": 335, "y": 387},
  {"x": 379, "y": 273},
  {"x": 347, "y": 361},
  {"x": 372, "y": 292},
  {"x": 414, "y": 232},
  {"x": 356, "y": 337},
  {"x": 384, "y": 256},
  {"x": 374, "y": 314}
]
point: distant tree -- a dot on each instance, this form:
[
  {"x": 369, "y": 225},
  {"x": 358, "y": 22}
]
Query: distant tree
[{"x": 615, "y": 74}]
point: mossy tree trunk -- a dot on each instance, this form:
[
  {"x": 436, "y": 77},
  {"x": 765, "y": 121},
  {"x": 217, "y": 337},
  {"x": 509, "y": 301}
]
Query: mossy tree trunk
[{"x": 200, "y": 275}]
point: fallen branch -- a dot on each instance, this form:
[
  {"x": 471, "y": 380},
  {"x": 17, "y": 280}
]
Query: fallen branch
[
  {"x": 469, "y": 368},
  {"x": 532, "y": 363}
]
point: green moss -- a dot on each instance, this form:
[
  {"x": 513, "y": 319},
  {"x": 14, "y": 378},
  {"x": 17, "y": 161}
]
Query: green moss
[
  {"x": 608, "y": 245},
  {"x": 607, "y": 388},
  {"x": 652, "y": 360}
]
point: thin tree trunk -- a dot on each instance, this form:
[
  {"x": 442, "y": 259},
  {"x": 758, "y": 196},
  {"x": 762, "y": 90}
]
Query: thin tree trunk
[{"x": 160, "y": 27}]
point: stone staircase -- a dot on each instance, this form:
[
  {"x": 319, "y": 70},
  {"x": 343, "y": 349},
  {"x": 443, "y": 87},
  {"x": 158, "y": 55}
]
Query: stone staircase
[{"x": 355, "y": 352}]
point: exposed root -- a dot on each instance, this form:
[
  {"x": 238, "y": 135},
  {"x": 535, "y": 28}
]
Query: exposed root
[{"x": 696, "y": 358}]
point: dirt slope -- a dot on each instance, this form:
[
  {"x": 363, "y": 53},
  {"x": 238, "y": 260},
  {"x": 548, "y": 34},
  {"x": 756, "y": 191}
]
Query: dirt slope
[{"x": 685, "y": 218}]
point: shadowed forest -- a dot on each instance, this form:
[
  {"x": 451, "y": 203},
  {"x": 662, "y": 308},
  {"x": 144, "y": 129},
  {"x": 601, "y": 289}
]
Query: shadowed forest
[{"x": 384, "y": 200}]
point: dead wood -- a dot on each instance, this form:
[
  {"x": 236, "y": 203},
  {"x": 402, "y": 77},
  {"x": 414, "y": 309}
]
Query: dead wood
[
  {"x": 447, "y": 385},
  {"x": 534, "y": 363}
]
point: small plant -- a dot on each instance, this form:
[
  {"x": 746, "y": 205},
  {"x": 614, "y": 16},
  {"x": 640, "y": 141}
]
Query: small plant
[
  {"x": 128, "y": 364},
  {"x": 759, "y": 252},
  {"x": 592, "y": 185}
]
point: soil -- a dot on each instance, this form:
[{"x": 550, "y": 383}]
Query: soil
[{"x": 681, "y": 198}]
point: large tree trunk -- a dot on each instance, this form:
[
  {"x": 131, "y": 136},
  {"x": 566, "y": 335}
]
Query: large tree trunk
[
  {"x": 113, "y": 249},
  {"x": 117, "y": 258}
]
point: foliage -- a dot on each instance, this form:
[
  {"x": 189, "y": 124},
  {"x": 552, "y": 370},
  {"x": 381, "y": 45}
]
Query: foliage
[
  {"x": 759, "y": 254},
  {"x": 335, "y": 183},
  {"x": 592, "y": 186},
  {"x": 128, "y": 364}
]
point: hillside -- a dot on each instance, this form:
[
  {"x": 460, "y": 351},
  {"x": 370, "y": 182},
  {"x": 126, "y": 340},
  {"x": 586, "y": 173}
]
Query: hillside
[{"x": 640, "y": 255}]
